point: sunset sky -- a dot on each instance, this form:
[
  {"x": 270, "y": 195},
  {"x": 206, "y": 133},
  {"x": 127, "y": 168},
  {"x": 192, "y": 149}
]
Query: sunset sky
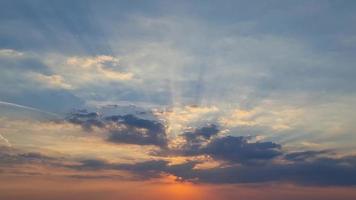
[{"x": 177, "y": 100}]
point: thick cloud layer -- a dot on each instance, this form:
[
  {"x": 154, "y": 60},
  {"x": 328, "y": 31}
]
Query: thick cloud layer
[
  {"x": 241, "y": 159},
  {"x": 322, "y": 171}
]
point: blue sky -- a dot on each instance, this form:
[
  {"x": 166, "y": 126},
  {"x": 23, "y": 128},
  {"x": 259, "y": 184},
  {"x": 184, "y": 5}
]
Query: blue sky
[{"x": 275, "y": 75}]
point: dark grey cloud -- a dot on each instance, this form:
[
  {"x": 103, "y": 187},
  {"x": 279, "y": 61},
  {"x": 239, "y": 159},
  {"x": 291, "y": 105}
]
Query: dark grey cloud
[
  {"x": 194, "y": 140},
  {"x": 128, "y": 128},
  {"x": 137, "y": 131},
  {"x": 86, "y": 119},
  {"x": 205, "y": 132},
  {"x": 10, "y": 157},
  {"x": 140, "y": 170},
  {"x": 305, "y": 155},
  {"x": 147, "y": 169},
  {"x": 236, "y": 149},
  {"x": 244, "y": 161},
  {"x": 323, "y": 171}
]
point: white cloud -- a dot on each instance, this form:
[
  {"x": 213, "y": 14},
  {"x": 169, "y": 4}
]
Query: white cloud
[
  {"x": 99, "y": 67},
  {"x": 6, "y": 141},
  {"x": 10, "y": 53},
  {"x": 178, "y": 118},
  {"x": 50, "y": 81},
  {"x": 85, "y": 73}
]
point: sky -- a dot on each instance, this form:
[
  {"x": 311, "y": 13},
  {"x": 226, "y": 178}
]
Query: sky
[{"x": 163, "y": 99}]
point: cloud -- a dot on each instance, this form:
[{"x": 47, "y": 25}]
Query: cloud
[
  {"x": 239, "y": 117},
  {"x": 48, "y": 100},
  {"x": 238, "y": 149},
  {"x": 140, "y": 170},
  {"x": 13, "y": 61},
  {"x": 324, "y": 171},
  {"x": 5, "y": 141},
  {"x": 235, "y": 149},
  {"x": 194, "y": 141},
  {"x": 305, "y": 155},
  {"x": 92, "y": 165},
  {"x": 281, "y": 65},
  {"x": 10, "y": 53},
  {"x": 50, "y": 81},
  {"x": 86, "y": 119},
  {"x": 134, "y": 130},
  {"x": 3, "y": 103},
  {"x": 101, "y": 66},
  {"x": 240, "y": 159},
  {"x": 177, "y": 118},
  {"x": 13, "y": 157},
  {"x": 206, "y": 132},
  {"x": 128, "y": 129},
  {"x": 27, "y": 80}
]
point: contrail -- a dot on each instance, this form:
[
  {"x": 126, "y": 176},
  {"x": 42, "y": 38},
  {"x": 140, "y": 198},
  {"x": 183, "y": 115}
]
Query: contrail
[
  {"x": 28, "y": 108},
  {"x": 5, "y": 140}
]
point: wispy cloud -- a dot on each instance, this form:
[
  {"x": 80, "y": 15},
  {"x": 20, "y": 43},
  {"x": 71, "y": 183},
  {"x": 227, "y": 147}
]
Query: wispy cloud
[
  {"x": 29, "y": 108},
  {"x": 7, "y": 143},
  {"x": 51, "y": 81}
]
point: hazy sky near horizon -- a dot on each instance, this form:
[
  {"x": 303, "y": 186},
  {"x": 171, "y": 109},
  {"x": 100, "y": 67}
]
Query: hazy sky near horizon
[{"x": 178, "y": 99}]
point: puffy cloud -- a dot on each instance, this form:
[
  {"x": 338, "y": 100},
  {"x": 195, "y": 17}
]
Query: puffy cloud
[
  {"x": 134, "y": 130},
  {"x": 98, "y": 66},
  {"x": 87, "y": 120},
  {"x": 235, "y": 149},
  {"x": 178, "y": 117},
  {"x": 238, "y": 149},
  {"x": 206, "y": 140},
  {"x": 205, "y": 132},
  {"x": 128, "y": 128},
  {"x": 240, "y": 117},
  {"x": 194, "y": 141}
]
